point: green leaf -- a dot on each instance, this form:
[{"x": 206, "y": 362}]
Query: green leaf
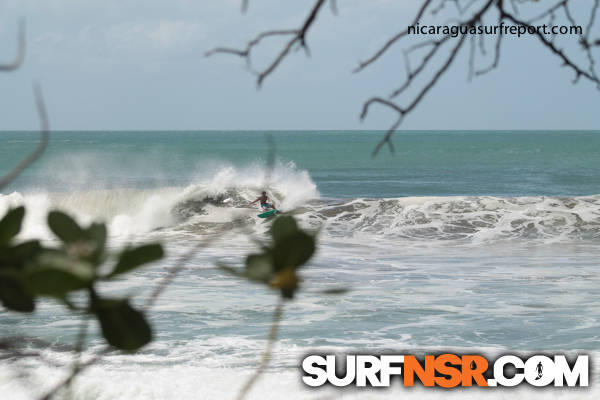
[
  {"x": 133, "y": 258},
  {"x": 53, "y": 282},
  {"x": 283, "y": 227},
  {"x": 259, "y": 267},
  {"x": 65, "y": 227},
  {"x": 56, "y": 274},
  {"x": 10, "y": 225},
  {"x": 14, "y": 295},
  {"x": 18, "y": 256},
  {"x": 122, "y": 326},
  {"x": 26, "y": 250},
  {"x": 97, "y": 234},
  {"x": 293, "y": 251}
]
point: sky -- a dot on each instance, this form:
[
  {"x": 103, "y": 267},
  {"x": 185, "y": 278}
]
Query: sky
[{"x": 140, "y": 65}]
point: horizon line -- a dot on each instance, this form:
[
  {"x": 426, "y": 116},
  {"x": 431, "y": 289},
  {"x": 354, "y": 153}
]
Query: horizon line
[{"x": 302, "y": 130}]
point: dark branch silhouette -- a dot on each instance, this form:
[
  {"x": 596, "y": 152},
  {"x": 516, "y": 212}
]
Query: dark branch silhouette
[
  {"x": 41, "y": 109},
  {"x": 37, "y": 153},
  {"x": 393, "y": 40},
  {"x": 20, "y": 51},
  {"x": 298, "y": 37},
  {"x": 469, "y": 16}
]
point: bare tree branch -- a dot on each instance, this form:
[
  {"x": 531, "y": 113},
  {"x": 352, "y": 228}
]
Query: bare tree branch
[
  {"x": 414, "y": 103},
  {"x": 424, "y": 61},
  {"x": 264, "y": 362},
  {"x": 37, "y": 153},
  {"x": 582, "y": 38},
  {"x": 174, "y": 271},
  {"x": 20, "y": 51},
  {"x": 74, "y": 373},
  {"x": 299, "y": 37},
  {"x": 79, "y": 345},
  {"x": 496, "y": 61},
  {"x": 548, "y": 11},
  {"x": 579, "y": 72},
  {"x": 592, "y": 19},
  {"x": 254, "y": 42},
  {"x": 471, "y": 64},
  {"x": 402, "y": 111},
  {"x": 434, "y": 46},
  {"x": 393, "y": 40},
  {"x": 514, "y": 6}
]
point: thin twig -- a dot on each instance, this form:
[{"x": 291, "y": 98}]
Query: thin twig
[
  {"x": 393, "y": 40},
  {"x": 266, "y": 357},
  {"x": 403, "y": 111},
  {"x": 476, "y": 19},
  {"x": 424, "y": 61},
  {"x": 471, "y": 63},
  {"x": 496, "y": 61},
  {"x": 79, "y": 345},
  {"x": 20, "y": 51},
  {"x": 174, "y": 271},
  {"x": 74, "y": 373},
  {"x": 548, "y": 12},
  {"x": 592, "y": 19},
  {"x": 565, "y": 59},
  {"x": 158, "y": 290},
  {"x": 299, "y": 37},
  {"x": 37, "y": 153}
]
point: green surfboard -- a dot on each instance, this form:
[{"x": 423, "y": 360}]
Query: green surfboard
[{"x": 267, "y": 213}]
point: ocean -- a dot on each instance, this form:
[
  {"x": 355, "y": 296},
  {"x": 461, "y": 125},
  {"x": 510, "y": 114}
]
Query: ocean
[{"x": 482, "y": 242}]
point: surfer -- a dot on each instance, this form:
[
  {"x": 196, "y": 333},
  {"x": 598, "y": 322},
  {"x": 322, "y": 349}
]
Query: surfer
[
  {"x": 539, "y": 369},
  {"x": 265, "y": 202}
]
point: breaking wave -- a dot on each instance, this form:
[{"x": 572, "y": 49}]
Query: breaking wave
[
  {"x": 211, "y": 201},
  {"x": 478, "y": 219},
  {"x": 209, "y": 205}
]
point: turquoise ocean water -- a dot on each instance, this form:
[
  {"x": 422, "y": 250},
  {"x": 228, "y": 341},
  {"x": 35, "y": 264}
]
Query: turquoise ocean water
[
  {"x": 467, "y": 241},
  {"x": 498, "y": 163}
]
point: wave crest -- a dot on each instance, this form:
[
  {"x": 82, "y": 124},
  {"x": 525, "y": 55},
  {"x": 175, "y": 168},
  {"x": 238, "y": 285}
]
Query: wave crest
[
  {"x": 137, "y": 211},
  {"x": 478, "y": 219}
]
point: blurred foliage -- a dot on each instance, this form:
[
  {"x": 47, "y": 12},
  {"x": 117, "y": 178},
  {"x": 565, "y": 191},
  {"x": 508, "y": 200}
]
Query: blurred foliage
[
  {"x": 277, "y": 264},
  {"x": 30, "y": 269}
]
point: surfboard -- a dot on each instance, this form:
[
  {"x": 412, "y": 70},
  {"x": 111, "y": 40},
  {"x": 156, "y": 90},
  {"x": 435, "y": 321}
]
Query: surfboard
[{"x": 267, "y": 213}]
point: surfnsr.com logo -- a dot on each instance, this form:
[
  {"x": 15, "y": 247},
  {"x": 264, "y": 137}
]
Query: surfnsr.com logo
[{"x": 445, "y": 370}]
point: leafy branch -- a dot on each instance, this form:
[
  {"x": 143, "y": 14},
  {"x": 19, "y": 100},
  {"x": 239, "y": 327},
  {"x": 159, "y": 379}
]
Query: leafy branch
[
  {"x": 276, "y": 266},
  {"x": 30, "y": 270}
]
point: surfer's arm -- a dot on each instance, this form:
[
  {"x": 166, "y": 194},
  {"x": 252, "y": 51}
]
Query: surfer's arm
[{"x": 252, "y": 202}]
